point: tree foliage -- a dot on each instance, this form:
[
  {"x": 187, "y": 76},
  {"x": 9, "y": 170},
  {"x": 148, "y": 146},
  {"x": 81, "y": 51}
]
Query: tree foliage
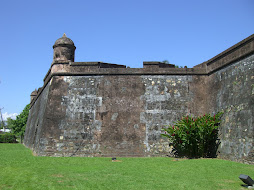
[
  {"x": 165, "y": 61},
  {"x": 18, "y": 125}
]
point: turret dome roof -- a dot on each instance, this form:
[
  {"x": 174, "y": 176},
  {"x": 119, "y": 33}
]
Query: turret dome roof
[
  {"x": 63, "y": 41},
  {"x": 34, "y": 92}
]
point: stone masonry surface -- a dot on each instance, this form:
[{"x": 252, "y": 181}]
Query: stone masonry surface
[
  {"x": 235, "y": 95},
  {"x": 103, "y": 109}
]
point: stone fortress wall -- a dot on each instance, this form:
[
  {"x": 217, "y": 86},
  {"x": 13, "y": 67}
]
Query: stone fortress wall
[{"x": 102, "y": 109}]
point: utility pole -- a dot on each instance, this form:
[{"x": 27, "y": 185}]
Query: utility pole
[{"x": 2, "y": 121}]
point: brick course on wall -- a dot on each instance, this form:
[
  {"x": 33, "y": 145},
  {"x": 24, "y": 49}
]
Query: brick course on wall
[{"x": 101, "y": 109}]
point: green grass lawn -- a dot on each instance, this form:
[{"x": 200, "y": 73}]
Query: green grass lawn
[{"x": 19, "y": 169}]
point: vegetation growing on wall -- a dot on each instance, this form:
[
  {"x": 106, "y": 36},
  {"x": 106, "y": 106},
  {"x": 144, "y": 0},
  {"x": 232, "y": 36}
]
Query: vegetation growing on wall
[
  {"x": 194, "y": 137},
  {"x": 167, "y": 62}
]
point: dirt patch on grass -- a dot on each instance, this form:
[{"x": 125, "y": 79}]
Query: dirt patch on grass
[
  {"x": 5, "y": 186},
  {"x": 179, "y": 159},
  {"x": 57, "y": 175},
  {"x": 34, "y": 154},
  {"x": 229, "y": 181},
  {"x": 116, "y": 160}
]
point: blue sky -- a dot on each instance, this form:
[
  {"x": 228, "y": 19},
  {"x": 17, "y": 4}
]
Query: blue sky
[{"x": 114, "y": 31}]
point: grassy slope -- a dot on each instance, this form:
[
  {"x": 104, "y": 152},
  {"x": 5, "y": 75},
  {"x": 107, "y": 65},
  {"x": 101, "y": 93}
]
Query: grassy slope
[{"x": 20, "y": 170}]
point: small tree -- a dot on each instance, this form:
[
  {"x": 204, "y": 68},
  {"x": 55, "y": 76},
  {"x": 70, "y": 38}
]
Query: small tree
[
  {"x": 166, "y": 62},
  {"x": 18, "y": 126},
  {"x": 10, "y": 123},
  {"x": 195, "y": 136}
]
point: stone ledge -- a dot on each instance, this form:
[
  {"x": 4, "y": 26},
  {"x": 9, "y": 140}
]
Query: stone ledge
[
  {"x": 238, "y": 51},
  {"x": 231, "y": 49}
]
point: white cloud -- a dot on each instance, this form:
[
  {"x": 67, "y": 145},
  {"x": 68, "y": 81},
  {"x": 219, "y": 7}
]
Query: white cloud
[{"x": 11, "y": 115}]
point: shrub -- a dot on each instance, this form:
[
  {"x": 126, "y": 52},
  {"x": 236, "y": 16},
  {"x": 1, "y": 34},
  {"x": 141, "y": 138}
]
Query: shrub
[
  {"x": 7, "y": 138},
  {"x": 195, "y": 136}
]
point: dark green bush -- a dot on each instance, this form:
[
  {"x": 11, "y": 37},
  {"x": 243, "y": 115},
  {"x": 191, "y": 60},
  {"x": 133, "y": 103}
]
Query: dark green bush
[
  {"x": 7, "y": 138},
  {"x": 194, "y": 137}
]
